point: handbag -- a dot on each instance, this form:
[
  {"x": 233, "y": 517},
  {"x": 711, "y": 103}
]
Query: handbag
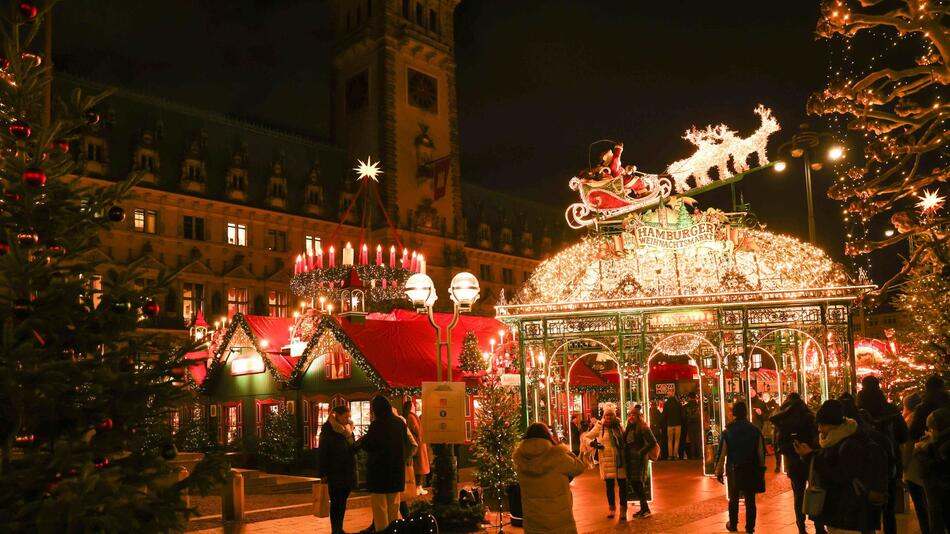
[
  {"x": 813, "y": 502},
  {"x": 321, "y": 500},
  {"x": 409, "y": 490}
]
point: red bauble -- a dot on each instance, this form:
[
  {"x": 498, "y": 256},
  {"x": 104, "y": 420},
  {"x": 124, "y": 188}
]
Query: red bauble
[
  {"x": 151, "y": 308},
  {"x": 4, "y": 248},
  {"x": 4, "y": 63},
  {"x": 35, "y": 59},
  {"x": 28, "y": 10},
  {"x": 60, "y": 146},
  {"x": 27, "y": 238},
  {"x": 19, "y": 129},
  {"x": 34, "y": 177},
  {"x": 106, "y": 424},
  {"x": 101, "y": 462},
  {"x": 56, "y": 250},
  {"x": 92, "y": 118}
]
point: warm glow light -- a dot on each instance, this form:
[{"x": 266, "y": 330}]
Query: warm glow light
[
  {"x": 264, "y": 343},
  {"x": 835, "y": 153},
  {"x": 368, "y": 169},
  {"x": 421, "y": 291},
  {"x": 779, "y": 166},
  {"x": 889, "y": 232},
  {"x": 464, "y": 290},
  {"x": 247, "y": 364},
  {"x": 930, "y": 202}
]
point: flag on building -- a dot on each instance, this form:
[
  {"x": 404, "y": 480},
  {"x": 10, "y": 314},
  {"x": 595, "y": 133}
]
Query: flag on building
[{"x": 441, "y": 169}]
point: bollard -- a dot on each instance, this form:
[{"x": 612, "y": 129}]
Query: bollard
[
  {"x": 182, "y": 475},
  {"x": 232, "y": 498}
]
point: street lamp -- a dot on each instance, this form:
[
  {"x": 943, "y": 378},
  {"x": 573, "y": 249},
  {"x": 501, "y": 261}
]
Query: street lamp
[{"x": 804, "y": 145}]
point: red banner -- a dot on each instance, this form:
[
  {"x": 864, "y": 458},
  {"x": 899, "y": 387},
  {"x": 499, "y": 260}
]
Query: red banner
[{"x": 441, "y": 168}]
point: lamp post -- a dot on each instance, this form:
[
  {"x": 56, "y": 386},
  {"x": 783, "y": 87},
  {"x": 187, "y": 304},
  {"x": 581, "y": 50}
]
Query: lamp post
[
  {"x": 805, "y": 145},
  {"x": 463, "y": 291}
]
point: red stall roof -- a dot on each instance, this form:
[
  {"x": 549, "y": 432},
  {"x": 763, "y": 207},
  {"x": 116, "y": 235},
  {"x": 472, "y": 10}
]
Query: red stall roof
[{"x": 583, "y": 375}]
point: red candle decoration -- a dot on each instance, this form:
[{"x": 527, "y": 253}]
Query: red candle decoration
[
  {"x": 319, "y": 258},
  {"x": 19, "y": 129},
  {"x": 379, "y": 254},
  {"x": 364, "y": 255},
  {"x": 392, "y": 257},
  {"x": 34, "y": 177},
  {"x": 405, "y": 259},
  {"x": 332, "y": 257}
]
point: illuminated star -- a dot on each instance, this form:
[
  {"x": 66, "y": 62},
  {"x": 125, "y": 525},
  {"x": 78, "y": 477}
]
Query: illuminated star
[
  {"x": 368, "y": 169},
  {"x": 930, "y": 202}
]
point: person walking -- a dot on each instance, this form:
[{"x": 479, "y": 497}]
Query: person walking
[
  {"x": 420, "y": 460},
  {"x": 673, "y": 415},
  {"x": 694, "y": 428},
  {"x": 658, "y": 427},
  {"x": 934, "y": 454},
  {"x": 886, "y": 419},
  {"x": 841, "y": 461},
  {"x": 544, "y": 471},
  {"x": 385, "y": 445},
  {"x": 576, "y": 435},
  {"x": 640, "y": 443},
  {"x": 935, "y": 397},
  {"x": 741, "y": 455},
  {"x": 794, "y": 421},
  {"x": 913, "y": 474},
  {"x": 610, "y": 444},
  {"x": 337, "y": 457}
]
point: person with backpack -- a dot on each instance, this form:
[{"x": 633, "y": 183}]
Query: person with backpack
[
  {"x": 673, "y": 416},
  {"x": 608, "y": 440},
  {"x": 794, "y": 421},
  {"x": 741, "y": 455},
  {"x": 886, "y": 419},
  {"x": 385, "y": 445},
  {"x": 640, "y": 450},
  {"x": 848, "y": 468}
]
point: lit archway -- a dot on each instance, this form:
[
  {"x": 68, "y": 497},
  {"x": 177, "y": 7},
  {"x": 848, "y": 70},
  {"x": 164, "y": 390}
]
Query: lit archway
[{"x": 800, "y": 361}]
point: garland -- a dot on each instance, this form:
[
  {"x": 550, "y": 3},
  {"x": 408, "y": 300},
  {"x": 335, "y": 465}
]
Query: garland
[
  {"x": 239, "y": 325},
  {"x": 356, "y": 355},
  {"x": 328, "y": 282}
]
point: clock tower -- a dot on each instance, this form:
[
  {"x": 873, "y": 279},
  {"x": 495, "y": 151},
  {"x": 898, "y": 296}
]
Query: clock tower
[{"x": 394, "y": 99}]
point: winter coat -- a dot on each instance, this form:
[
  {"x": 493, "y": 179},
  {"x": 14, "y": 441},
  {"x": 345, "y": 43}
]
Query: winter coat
[
  {"x": 384, "y": 443},
  {"x": 673, "y": 412},
  {"x": 886, "y": 419},
  {"x": 933, "y": 400},
  {"x": 934, "y": 456},
  {"x": 912, "y": 468},
  {"x": 837, "y": 464},
  {"x": 610, "y": 458},
  {"x": 741, "y": 447},
  {"x": 420, "y": 460},
  {"x": 337, "y": 455},
  {"x": 640, "y": 441},
  {"x": 544, "y": 472},
  {"x": 794, "y": 418}
]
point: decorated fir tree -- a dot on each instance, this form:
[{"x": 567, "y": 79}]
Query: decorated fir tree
[
  {"x": 84, "y": 402},
  {"x": 471, "y": 359},
  {"x": 497, "y": 424},
  {"x": 194, "y": 434},
  {"x": 278, "y": 443}
]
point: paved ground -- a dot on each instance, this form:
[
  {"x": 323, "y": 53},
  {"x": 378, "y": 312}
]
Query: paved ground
[{"x": 684, "y": 501}]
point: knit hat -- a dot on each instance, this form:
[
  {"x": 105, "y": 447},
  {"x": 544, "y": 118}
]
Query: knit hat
[
  {"x": 870, "y": 382},
  {"x": 610, "y": 408},
  {"x": 830, "y": 413}
]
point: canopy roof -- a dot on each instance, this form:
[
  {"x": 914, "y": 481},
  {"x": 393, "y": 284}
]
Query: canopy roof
[{"x": 749, "y": 265}]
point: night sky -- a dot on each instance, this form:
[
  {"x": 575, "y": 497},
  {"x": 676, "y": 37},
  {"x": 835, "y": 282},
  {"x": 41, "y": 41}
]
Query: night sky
[{"x": 538, "y": 80}]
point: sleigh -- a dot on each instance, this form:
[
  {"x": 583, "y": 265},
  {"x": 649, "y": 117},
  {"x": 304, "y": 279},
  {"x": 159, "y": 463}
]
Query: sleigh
[{"x": 603, "y": 202}]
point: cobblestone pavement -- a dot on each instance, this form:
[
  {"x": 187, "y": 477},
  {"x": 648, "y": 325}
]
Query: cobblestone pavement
[{"x": 684, "y": 501}]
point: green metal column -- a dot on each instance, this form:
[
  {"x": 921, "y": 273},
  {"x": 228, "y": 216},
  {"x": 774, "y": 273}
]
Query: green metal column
[{"x": 524, "y": 378}]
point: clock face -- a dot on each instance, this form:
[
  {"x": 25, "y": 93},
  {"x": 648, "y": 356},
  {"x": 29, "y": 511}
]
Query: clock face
[{"x": 423, "y": 91}]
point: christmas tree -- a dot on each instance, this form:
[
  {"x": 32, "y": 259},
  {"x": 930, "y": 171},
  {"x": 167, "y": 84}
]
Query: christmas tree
[
  {"x": 194, "y": 435},
  {"x": 84, "y": 403},
  {"x": 471, "y": 359},
  {"x": 278, "y": 444},
  {"x": 496, "y": 432}
]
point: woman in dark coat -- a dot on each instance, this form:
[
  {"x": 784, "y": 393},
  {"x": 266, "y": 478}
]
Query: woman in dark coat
[
  {"x": 640, "y": 441},
  {"x": 338, "y": 463},
  {"x": 384, "y": 443},
  {"x": 795, "y": 421}
]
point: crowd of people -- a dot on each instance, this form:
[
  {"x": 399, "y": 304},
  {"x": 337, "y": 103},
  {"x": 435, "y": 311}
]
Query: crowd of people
[{"x": 848, "y": 462}]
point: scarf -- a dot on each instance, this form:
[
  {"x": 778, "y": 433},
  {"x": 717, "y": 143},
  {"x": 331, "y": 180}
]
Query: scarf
[
  {"x": 616, "y": 440},
  {"x": 838, "y": 433},
  {"x": 345, "y": 430}
]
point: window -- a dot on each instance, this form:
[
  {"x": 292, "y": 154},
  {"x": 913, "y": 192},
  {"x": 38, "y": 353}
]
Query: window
[
  {"x": 277, "y": 303},
  {"x": 423, "y": 90},
  {"x": 265, "y": 411},
  {"x": 405, "y": 8},
  {"x": 311, "y": 244},
  {"x": 505, "y": 236},
  {"x": 95, "y": 288},
  {"x": 420, "y": 14},
  {"x": 276, "y": 240},
  {"x": 233, "y": 426},
  {"x": 237, "y": 300},
  {"x": 194, "y": 228},
  {"x": 433, "y": 21},
  {"x": 278, "y": 189},
  {"x": 237, "y": 180},
  {"x": 95, "y": 150},
  {"x": 484, "y": 232},
  {"x": 356, "y": 94},
  {"x": 145, "y": 220},
  {"x": 193, "y": 171},
  {"x": 507, "y": 276},
  {"x": 485, "y": 272},
  {"x": 314, "y": 196},
  {"x": 192, "y": 296},
  {"x": 319, "y": 412},
  {"x": 237, "y": 234},
  {"x": 337, "y": 363},
  {"x": 359, "y": 413},
  {"x": 146, "y": 161}
]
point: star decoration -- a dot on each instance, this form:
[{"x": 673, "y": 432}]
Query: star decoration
[
  {"x": 368, "y": 169},
  {"x": 930, "y": 202}
]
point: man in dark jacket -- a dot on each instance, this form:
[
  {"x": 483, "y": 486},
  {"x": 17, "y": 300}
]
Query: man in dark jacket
[
  {"x": 935, "y": 397},
  {"x": 694, "y": 427},
  {"x": 886, "y": 419},
  {"x": 338, "y": 463},
  {"x": 933, "y": 452},
  {"x": 795, "y": 422},
  {"x": 741, "y": 455},
  {"x": 839, "y": 464},
  {"x": 673, "y": 415},
  {"x": 384, "y": 443}
]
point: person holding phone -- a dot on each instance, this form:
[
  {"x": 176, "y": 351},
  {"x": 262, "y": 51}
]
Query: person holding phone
[{"x": 795, "y": 422}]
